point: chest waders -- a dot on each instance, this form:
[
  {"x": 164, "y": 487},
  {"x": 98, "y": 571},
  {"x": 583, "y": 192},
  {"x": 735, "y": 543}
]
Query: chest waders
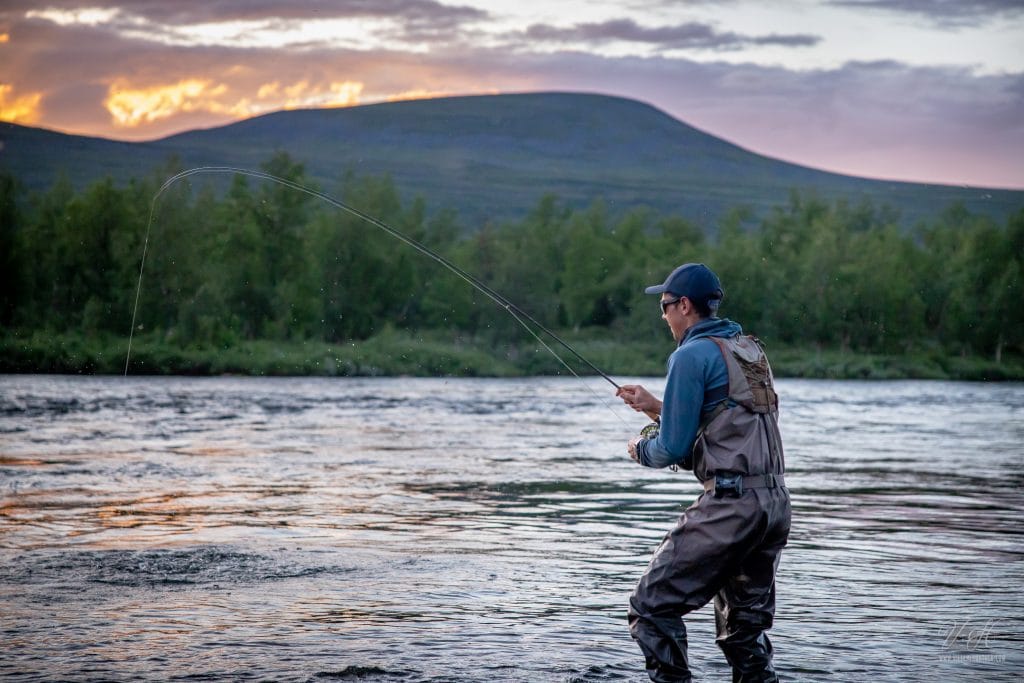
[{"x": 726, "y": 546}]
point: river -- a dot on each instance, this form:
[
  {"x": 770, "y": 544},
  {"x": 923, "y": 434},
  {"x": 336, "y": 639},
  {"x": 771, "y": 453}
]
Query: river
[{"x": 477, "y": 529}]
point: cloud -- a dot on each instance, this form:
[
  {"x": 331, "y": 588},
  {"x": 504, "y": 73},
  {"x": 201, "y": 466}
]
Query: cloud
[
  {"x": 20, "y": 108},
  {"x": 187, "y": 12},
  {"x": 948, "y": 13},
  {"x": 420, "y": 94},
  {"x": 679, "y": 36},
  {"x": 413, "y": 25},
  {"x": 244, "y": 23},
  {"x": 131, "y": 106}
]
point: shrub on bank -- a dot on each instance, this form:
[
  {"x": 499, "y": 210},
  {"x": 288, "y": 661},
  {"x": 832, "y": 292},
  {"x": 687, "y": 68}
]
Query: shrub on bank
[{"x": 395, "y": 353}]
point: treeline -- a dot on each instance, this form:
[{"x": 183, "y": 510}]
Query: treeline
[{"x": 253, "y": 259}]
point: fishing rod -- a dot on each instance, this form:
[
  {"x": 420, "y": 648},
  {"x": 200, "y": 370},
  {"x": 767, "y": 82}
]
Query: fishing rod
[{"x": 519, "y": 314}]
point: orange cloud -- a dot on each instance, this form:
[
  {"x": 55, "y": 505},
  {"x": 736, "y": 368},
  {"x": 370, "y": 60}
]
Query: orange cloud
[
  {"x": 421, "y": 94},
  {"x": 416, "y": 94},
  {"x": 23, "y": 109},
  {"x": 336, "y": 94},
  {"x": 131, "y": 107},
  {"x": 268, "y": 90}
]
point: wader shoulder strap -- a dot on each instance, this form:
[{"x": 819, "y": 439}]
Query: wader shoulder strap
[{"x": 719, "y": 395}]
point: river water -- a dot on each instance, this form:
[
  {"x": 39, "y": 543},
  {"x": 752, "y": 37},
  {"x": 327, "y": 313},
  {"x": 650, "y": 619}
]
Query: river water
[{"x": 480, "y": 530}]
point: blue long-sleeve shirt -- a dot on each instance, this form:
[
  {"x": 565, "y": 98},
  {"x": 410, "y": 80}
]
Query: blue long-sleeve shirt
[{"x": 694, "y": 368}]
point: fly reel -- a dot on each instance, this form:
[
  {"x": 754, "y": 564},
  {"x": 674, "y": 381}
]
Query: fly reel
[{"x": 650, "y": 431}]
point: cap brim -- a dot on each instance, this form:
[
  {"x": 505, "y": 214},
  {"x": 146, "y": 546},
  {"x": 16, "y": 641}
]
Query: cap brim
[{"x": 656, "y": 289}]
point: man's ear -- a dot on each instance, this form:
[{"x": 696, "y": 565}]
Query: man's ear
[{"x": 685, "y": 305}]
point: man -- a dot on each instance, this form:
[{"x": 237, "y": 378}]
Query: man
[{"x": 719, "y": 419}]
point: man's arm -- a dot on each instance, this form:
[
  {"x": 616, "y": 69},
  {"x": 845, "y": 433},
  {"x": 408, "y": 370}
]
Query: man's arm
[{"x": 680, "y": 414}]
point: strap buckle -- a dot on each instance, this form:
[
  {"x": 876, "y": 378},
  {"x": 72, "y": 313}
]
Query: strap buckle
[{"x": 728, "y": 484}]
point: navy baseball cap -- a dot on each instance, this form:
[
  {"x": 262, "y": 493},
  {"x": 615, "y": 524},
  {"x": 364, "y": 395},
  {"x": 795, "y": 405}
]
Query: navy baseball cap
[{"x": 695, "y": 281}]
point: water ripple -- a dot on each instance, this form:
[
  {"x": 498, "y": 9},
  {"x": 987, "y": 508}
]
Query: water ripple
[{"x": 466, "y": 530}]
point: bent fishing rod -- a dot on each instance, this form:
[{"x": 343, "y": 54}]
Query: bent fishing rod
[{"x": 519, "y": 314}]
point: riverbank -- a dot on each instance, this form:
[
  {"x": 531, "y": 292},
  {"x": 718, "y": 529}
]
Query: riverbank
[{"x": 394, "y": 353}]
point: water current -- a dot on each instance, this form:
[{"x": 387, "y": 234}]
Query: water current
[{"x": 480, "y": 530}]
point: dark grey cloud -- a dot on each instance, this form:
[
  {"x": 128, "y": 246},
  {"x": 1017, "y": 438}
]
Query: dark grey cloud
[
  {"x": 413, "y": 21},
  {"x": 185, "y": 12},
  {"x": 948, "y": 13},
  {"x": 680, "y": 36}
]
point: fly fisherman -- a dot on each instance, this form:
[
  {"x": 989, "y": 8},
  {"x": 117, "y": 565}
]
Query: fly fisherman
[{"x": 719, "y": 419}]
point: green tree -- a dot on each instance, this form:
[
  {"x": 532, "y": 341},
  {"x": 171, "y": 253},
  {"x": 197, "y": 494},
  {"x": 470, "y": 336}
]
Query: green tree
[
  {"x": 445, "y": 299},
  {"x": 784, "y": 237},
  {"x": 886, "y": 313},
  {"x": 242, "y": 278},
  {"x": 364, "y": 276},
  {"x": 987, "y": 293},
  {"x": 530, "y": 268},
  {"x": 941, "y": 265},
  {"x": 11, "y": 278},
  {"x": 592, "y": 256},
  {"x": 203, "y": 315},
  {"x": 91, "y": 275},
  {"x": 282, "y": 214},
  {"x": 43, "y": 246},
  {"x": 746, "y": 274}
]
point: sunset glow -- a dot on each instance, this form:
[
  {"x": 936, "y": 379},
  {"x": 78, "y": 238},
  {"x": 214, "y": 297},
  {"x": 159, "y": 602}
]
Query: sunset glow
[
  {"x": 131, "y": 107},
  {"x": 23, "y": 109},
  {"x": 417, "y": 94},
  {"x": 303, "y": 94}
]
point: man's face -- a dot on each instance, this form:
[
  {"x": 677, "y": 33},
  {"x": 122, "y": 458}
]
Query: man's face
[{"x": 673, "y": 312}]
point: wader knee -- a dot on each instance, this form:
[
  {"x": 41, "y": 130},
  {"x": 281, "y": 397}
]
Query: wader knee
[{"x": 745, "y": 644}]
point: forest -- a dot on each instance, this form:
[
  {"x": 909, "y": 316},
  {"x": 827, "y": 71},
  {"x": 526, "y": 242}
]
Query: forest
[{"x": 245, "y": 264}]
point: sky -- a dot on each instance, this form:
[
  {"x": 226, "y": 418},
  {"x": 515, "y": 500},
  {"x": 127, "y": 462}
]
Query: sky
[{"x": 918, "y": 90}]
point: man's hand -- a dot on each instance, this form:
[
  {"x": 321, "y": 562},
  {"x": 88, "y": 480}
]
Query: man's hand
[
  {"x": 639, "y": 399},
  {"x": 631, "y": 448}
]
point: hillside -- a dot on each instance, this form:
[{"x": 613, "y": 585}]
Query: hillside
[{"x": 492, "y": 157}]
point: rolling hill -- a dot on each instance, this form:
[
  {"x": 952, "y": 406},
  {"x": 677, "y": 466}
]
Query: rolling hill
[{"x": 492, "y": 157}]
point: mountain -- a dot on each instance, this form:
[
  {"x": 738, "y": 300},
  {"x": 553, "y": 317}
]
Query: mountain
[{"x": 492, "y": 157}]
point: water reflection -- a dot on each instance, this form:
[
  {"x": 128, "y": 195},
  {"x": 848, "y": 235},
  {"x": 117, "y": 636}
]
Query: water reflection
[{"x": 440, "y": 530}]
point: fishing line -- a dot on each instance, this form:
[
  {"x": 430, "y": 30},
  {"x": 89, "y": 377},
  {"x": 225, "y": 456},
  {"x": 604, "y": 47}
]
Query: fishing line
[{"x": 517, "y": 313}]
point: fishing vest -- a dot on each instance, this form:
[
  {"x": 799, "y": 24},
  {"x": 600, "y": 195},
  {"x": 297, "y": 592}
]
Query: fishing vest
[{"x": 741, "y": 435}]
